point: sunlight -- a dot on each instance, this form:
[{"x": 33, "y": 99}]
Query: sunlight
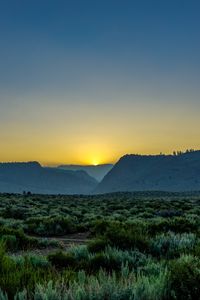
[{"x": 95, "y": 162}]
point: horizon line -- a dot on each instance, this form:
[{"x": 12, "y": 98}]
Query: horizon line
[{"x": 49, "y": 164}]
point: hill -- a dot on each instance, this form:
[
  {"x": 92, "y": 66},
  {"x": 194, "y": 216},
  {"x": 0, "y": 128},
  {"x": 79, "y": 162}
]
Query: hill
[
  {"x": 31, "y": 176},
  {"x": 98, "y": 172},
  {"x": 153, "y": 173}
]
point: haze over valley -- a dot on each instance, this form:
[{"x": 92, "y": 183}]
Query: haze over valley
[{"x": 96, "y": 171}]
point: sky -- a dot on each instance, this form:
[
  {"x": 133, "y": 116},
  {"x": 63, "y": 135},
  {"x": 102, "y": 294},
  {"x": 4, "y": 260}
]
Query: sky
[{"x": 89, "y": 81}]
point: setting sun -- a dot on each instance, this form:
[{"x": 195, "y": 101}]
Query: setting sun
[{"x": 95, "y": 162}]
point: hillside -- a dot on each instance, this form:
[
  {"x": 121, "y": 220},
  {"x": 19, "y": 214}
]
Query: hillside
[
  {"x": 98, "y": 172},
  {"x": 19, "y": 177},
  {"x": 153, "y": 172}
]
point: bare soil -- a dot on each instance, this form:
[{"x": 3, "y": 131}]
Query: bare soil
[{"x": 65, "y": 242}]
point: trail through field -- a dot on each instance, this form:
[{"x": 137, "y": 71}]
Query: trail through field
[
  {"x": 65, "y": 243},
  {"x": 70, "y": 239}
]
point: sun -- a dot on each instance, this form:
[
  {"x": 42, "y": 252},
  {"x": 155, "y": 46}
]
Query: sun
[{"x": 95, "y": 162}]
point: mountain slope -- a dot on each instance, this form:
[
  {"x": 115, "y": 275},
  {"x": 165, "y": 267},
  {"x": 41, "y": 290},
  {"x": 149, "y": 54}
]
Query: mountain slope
[
  {"x": 19, "y": 177},
  {"x": 98, "y": 172},
  {"x": 156, "y": 172}
]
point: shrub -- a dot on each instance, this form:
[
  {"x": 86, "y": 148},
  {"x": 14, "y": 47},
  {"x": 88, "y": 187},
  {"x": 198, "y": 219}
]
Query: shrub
[
  {"x": 10, "y": 241},
  {"x": 172, "y": 245},
  {"x": 169, "y": 213},
  {"x": 62, "y": 260},
  {"x": 37, "y": 261},
  {"x": 152, "y": 287},
  {"x": 50, "y": 226},
  {"x": 14, "y": 212},
  {"x": 45, "y": 242},
  {"x": 185, "y": 278},
  {"x": 48, "y": 292},
  {"x": 80, "y": 252},
  {"x": 133, "y": 258},
  {"x": 3, "y": 296},
  {"x": 127, "y": 238},
  {"x": 99, "y": 227},
  {"x": 101, "y": 260},
  {"x": 22, "y": 240},
  {"x": 97, "y": 245},
  {"x": 176, "y": 224},
  {"x": 111, "y": 287}
]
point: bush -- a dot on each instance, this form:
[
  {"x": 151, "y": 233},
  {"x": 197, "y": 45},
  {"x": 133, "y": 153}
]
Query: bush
[
  {"x": 22, "y": 241},
  {"x": 14, "y": 212},
  {"x": 62, "y": 260},
  {"x": 130, "y": 237},
  {"x": 3, "y": 296},
  {"x": 101, "y": 260},
  {"x": 134, "y": 259},
  {"x": 80, "y": 252},
  {"x": 172, "y": 245},
  {"x": 16, "y": 276},
  {"x": 110, "y": 287},
  {"x": 50, "y": 226},
  {"x": 185, "y": 278},
  {"x": 97, "y": 245},
  {"x": 10, "y": 242},
  {"x": 176, "y": 225},
  {"x": 99, "y": 227},
  {"x": 152, "y": 287}
]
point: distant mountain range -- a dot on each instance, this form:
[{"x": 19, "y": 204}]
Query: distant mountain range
[
  {"x": 98, "y": 172},
  {"x": 19, "y": 177},
  {"x": 170, "y": 173},
  {"x": 153, "y": 173}
]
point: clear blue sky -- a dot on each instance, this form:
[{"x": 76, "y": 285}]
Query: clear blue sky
[{"x": 88, "y": 81}]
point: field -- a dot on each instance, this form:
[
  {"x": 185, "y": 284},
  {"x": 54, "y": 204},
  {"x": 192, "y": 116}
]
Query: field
[{"x": 141, "y": 246}]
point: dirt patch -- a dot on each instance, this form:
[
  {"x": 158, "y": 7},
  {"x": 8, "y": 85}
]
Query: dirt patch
[
  {"x": 69, "y": 240},
  {"x": 65, "y": 242}
]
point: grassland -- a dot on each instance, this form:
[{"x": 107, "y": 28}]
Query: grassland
[{"x": 141, "y": 246}]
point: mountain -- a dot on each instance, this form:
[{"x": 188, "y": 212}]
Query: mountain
[
  {"x": 31, "y": 176},
  {"x": 153, "y": 173},
  {"x": 98, "y": 172}
]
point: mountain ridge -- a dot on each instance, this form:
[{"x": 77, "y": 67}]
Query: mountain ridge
[
  {"x": 134, "y": 172},
  {"x": 97, "y": 172},
  {"x": 31, "y": 176}
]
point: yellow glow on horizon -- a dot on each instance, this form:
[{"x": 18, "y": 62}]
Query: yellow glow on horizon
[
  {"x": 100, "y": 138},
  {"x": 95, "y": 162}
]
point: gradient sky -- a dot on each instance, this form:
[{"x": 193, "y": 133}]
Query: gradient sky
[{"x": 88, "y": 81}]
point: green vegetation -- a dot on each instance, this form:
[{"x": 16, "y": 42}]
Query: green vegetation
[{"x": 140, "y": 246}]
